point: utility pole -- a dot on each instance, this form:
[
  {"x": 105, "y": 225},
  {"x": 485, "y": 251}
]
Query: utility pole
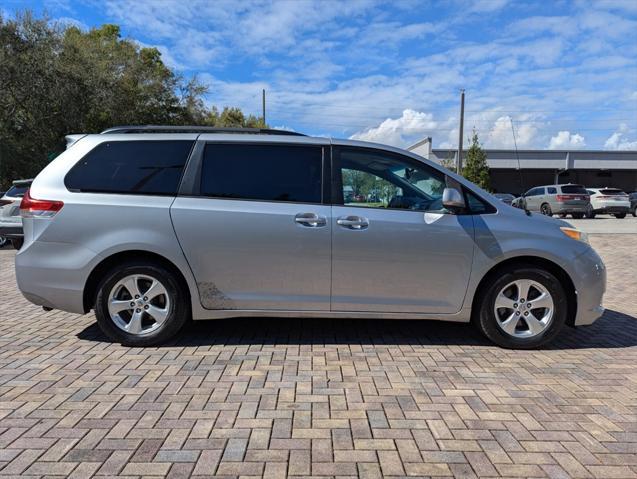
[
  {"x": 459, "y": 159},
  {"x": 263, "y": 106}
]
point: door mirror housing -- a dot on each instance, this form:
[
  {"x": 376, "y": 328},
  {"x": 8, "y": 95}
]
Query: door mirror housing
[{"x": 452, "y": 199}]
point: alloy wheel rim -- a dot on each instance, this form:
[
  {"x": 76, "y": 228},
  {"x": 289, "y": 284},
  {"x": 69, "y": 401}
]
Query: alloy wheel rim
[
  {"x": 138, "y": 304},
  {"x": 523, "y": 309}
]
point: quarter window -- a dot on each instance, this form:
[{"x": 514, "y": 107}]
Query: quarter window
[
  {"x": 289, "y": 173},
  {"x": 131, "y": 167},
  {"x": 377, "y": 180}
]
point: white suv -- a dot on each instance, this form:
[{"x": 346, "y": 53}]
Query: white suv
[{"x": 608, "y": 201}]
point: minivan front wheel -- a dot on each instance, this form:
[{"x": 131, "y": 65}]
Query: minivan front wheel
[
  {"x": 523, "y": 308},
  {"x": 140, "y": 305}
]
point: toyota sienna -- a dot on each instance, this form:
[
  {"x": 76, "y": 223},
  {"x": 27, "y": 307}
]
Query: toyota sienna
[{"x": 152, "y": 226}]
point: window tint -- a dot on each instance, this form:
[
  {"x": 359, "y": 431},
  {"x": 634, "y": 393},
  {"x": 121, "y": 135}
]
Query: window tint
[
  {"x": 577, "y": 189},
  {"x": 374, "y": 179},
  {"x": 131, "y": 167},
  {"x": 612, "y": 191},
  {"x": 552, "y": 191},
  {"x": 262, "y": 172},
  {"x": 477, "y": 206}
]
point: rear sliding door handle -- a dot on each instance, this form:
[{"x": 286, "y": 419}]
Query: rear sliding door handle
[
  {"x": 311, "y": 220},
  {"x": 353, "y": 222}
]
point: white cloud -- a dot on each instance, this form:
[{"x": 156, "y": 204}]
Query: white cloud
[
  {"x": 565, "y": 140},
  {"x": 71, "y": 22},
  {"x": 397, "y": 132},
  {"x": 483, "y": 6},
  {"x": 618, "y": 140},
  {"x": 363, "y": 68},
  {"x": 500, "y": 135}
]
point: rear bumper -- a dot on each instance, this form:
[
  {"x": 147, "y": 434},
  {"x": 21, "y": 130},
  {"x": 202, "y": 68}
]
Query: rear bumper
[
  {"x": 570, "y": 209},
  {"x": 612, "y": 209},
  {"x": 11, "y": 229},
  {"x": 54, "y": 274}
]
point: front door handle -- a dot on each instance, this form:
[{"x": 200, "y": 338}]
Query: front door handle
[
  {"x": 311, "y": 220},
  {"x": 353, "y": 222}
]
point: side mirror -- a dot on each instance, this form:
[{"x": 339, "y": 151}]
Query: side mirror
[{"x": 452, "y": 199}]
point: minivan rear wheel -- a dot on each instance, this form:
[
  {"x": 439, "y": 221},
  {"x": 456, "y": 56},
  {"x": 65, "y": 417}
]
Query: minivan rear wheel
[
  {"x": 140, "y": 304},
  {"x": 545, "y": 209},
  {"x": 524, "y": 307}
]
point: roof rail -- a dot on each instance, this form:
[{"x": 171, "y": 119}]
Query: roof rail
[{"x": 196, "y": 129}]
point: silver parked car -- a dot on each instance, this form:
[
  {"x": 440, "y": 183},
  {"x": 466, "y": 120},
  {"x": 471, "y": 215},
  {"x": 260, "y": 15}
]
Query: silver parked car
[
  {"x": 10, "y": 220},
  {"x": 151, "y": 226},
  {"x": 558, "y": 200}
]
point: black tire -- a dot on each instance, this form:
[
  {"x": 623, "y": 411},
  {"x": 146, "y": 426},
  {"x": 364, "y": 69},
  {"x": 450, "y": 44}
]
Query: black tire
[
  {"x": 179, "y": 307},
  {"x": 635, "y": 211},
  {"x": 578, "y": 216},
  {"x": 485, "y": 319},
  {"x": 619, "y": 216},
  {"x": 562, "y": 215},
  {"x": 3, "y": 241},
  {"x": 590, "y": 212},
  {"x": 17, "y": 243},
  {"x": 545, "y": 209}
]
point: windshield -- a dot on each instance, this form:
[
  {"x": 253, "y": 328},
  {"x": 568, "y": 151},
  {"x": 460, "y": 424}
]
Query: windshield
[{"x": 574, "y": 189}]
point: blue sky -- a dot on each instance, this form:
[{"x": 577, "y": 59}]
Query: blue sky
[{"x": 565, "y": 72}]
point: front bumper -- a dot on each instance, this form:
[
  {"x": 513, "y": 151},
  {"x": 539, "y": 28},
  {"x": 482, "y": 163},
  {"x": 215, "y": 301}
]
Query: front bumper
[{"x": 589, "y": 277}]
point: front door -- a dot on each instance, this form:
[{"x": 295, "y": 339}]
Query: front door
[
  {"x": 256, "y": 233},
  {"x": 394, "y": 247}
]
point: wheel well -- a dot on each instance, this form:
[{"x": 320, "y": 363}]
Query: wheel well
[
  {"x": 550, "y": 266},
  {"x": 90, "y": 288}
]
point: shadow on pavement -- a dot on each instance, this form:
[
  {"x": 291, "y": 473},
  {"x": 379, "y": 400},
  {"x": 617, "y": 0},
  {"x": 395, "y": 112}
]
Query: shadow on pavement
[{"x": 613, "y": 330}]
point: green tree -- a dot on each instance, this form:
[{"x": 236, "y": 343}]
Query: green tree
[
  {"x": 449, "y": 162},
  {"x": 475, "y": 165},
  {"x": 56, "y": 80}
]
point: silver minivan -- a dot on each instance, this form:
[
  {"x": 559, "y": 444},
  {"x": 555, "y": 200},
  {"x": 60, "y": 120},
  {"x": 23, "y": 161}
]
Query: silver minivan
[
  {"x": 152, "y": 226},
  {"x": 568, "y": 199}
]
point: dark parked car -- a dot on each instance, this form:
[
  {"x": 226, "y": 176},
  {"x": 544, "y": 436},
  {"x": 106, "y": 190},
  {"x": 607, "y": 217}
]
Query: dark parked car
[{"x": 505, "y": 197}]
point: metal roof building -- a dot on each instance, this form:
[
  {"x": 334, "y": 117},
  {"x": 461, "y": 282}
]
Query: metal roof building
[{"x": 515, "y": 172}]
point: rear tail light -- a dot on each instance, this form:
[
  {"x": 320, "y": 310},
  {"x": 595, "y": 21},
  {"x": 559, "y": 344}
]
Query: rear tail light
[
  {"x": 32, "y": 208},
  {"x": 562, "y": 198}
]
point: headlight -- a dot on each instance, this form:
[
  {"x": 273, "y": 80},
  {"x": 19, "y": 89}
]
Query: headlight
[{"x": 575, "y": 234}]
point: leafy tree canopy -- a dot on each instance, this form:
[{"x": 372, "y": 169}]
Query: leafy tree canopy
[{"x": 57, "y": 80}]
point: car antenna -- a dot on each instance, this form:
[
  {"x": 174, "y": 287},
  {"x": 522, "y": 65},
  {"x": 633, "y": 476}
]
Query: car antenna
[{"x": 517, "y": 155}]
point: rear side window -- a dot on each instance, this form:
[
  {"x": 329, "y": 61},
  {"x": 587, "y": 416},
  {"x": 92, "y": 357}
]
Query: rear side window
[
  {"x": 574, "y": 189},
  {"x": 131, "y": 167},
  {"x": 262, "y": 172},
  {"x": 552, "y": 191},
  {"x": 17, "y": 191}
]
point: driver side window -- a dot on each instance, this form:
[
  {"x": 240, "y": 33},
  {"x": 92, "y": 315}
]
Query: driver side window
[{"x": 375, "y": 179}]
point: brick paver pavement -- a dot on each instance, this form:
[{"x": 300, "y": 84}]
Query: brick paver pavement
[{"x": 323, "y": 398}]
